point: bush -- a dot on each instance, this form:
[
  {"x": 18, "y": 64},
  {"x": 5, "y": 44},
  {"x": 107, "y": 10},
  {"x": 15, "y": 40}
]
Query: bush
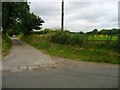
[
  {"x": 77, "y": 39},
  {"x": 115, "y": 45},
  {"x": 66, "y": 38},
  {"x": 47, "y": 31},
  {"x": 59, "y": 37}
]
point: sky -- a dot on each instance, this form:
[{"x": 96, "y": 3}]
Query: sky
[{"x": 79, "y": 15}]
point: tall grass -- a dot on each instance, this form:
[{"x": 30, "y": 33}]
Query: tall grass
[{"x": 6, "y": 44}]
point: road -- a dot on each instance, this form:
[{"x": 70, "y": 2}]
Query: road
[{"x": 27, "y": 67}]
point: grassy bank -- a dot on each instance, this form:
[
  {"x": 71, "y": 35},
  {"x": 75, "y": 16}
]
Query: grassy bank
[
  {"x": 6, "y": 45},
  {"x": 88, "y": 53}
]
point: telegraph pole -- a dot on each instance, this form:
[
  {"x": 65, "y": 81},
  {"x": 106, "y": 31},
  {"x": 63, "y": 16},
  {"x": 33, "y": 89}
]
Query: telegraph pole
[{"x": 62, "y": 16}]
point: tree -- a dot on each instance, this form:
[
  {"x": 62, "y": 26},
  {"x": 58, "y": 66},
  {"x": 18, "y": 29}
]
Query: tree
[
  {"x": 12, "y": 13},
  {"x": 114, "y": 31},
  {"x": 81, "y": 32},
  {"x": 31, "y": 22},
  {"x": 17, "y": 14},
  {"x": 103, "y": 32},
  {"x": 95, "y": 31}
]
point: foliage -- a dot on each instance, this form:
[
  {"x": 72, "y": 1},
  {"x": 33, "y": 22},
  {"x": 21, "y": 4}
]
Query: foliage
[
  {"x": 31, "y": 22},
  {"x": 66, "y": 38},
  {"x": 17, "y": 14},
  {"x": 95, "y": 31},
  {"x": 15, "y": 30},
  {"x": 60, "y": 37},
  {"x": 6, "y": 44},
  {"x": 113, "y": 31},
  {"x": 12, "y": 13},
  {"x": 81, "y": 32},
  {"x": 78, "y": 39},
  {"x": 118, "y": 43},
  {"x": 46, "y": 31},
  {"x": 88, "y": 53}
]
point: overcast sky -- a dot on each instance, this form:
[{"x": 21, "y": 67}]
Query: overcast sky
[{"x": 79, "y": 16}]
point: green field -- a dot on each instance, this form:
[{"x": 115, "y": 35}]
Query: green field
[{"x": 102, "y": 37}]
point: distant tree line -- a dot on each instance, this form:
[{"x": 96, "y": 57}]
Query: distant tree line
[
  {"x": 113, "y": 31},
  {"x": 17, "y": 18}
]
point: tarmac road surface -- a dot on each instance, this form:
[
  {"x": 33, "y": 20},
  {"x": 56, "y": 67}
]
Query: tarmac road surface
[{"x": 27, "y": 67}]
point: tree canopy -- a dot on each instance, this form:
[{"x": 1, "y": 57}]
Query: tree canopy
[{"x": 16, "y": 18}]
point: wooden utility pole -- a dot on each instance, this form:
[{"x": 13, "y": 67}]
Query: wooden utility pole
[
  {"x": 62, "y": 16},
  {"x": 119, "y": 26}
]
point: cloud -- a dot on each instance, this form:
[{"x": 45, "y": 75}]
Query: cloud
[
  {"x": 79, "y": 16},
  {"x": 46, "y": 9}
]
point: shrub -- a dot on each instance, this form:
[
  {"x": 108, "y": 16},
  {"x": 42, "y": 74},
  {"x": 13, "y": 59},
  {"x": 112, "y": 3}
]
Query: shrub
[
  {"x": 115, "y": 45},
  {"x": 47, "y": 31},
  {"x": 77, "y": 39},
  {"x": 69, "y": 39},
  {"x": 59, "y": 37}
]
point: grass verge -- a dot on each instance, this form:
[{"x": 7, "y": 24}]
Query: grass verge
[
  {"x": 6, "y": 45},
  {"x": 94, "y": 54}
]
